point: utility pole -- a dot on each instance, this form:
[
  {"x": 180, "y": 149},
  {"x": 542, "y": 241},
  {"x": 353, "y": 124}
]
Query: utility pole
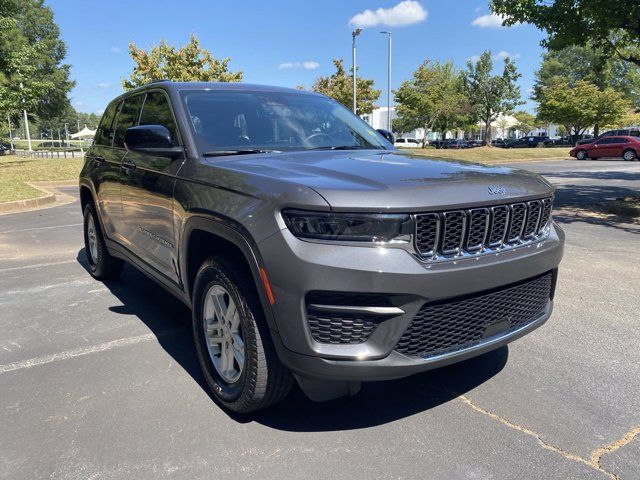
[
  {"x": 354, "y": 34},
  {"x": 388, "y": 34}
]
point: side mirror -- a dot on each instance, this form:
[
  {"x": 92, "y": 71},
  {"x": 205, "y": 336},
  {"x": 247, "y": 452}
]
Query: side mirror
[
  {"x": 152, "y": 140},
  {"x": 387, "y": 134}
]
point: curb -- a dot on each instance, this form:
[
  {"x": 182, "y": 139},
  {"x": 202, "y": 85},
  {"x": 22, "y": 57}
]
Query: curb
[{"x": 52, "y": 198}]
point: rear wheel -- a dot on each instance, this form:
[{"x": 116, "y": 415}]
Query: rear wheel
[
  {"x": 581, "y": 154},
  {"x": 629, "y": 155},
  {"x": 233, "y": 342},
  {"x": 102, "y": 265}
]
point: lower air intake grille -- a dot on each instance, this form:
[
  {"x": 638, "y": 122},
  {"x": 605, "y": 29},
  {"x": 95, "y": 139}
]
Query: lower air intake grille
[
  {"x": 451, "y": 325},
  {"x": 340, "y": 327}
]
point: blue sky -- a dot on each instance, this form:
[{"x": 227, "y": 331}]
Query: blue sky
[{"x": 285, "y": 43}]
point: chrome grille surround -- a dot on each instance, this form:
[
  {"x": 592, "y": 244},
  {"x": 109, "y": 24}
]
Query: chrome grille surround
[{"x": 456, "y": 233}]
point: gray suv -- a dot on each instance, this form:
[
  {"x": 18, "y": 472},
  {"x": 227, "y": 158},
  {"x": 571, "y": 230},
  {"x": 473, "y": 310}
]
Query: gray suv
[{"x": 307, "y": 247}]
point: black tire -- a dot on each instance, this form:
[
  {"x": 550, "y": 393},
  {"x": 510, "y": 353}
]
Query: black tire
[
  {"x": 102, "y": 265},
  {"x": 263, "y": 380},
  {"x": 582, "y": 155},
  {"x": 629, "y": 155}
]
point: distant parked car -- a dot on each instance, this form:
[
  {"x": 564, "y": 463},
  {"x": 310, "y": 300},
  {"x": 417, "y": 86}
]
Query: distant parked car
[
  {"x": 3, "y": 149},
  {"x": 529, "y": 142},
  {"x": 633, "y": 132},
  {"x": 476, "y": 143},
  {"x": 406, "y": 143},
  {"x": 456, "y": 143},
  {"x": 562, "y": 141},
  {"x": 627, "y": 147},
  {"x": 498, "y": 142}
]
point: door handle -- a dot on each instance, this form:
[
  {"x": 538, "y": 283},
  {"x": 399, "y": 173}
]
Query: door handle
[{"x": 128, "y": 166}]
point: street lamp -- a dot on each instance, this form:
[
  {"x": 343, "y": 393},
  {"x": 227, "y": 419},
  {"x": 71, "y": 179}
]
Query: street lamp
[
  {"x": 354, "y": 34},
  {"x": 388, "y": 34}
]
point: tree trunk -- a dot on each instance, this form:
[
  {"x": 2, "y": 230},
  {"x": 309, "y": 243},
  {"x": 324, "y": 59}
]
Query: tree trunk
[
  {"x": 596, "y": 130},
  {"x": 487, "y": 132}
]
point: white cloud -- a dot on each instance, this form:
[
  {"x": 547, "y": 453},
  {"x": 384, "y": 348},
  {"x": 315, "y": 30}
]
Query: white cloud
[
  {"x": 104, "y": 85},
  {"x": 406, "y": 12},
  {"x": 115, "y": 49},
  {"x": 308, "y": 65},
  {"x": 79, "y": 104},
  {"x": 501, "y": 55},
  {"x": 488, "y": 21},
  {"x": 474, "y": 58}
]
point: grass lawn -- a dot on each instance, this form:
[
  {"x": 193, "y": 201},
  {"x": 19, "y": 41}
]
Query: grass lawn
[
  {"x": 495, "y": 154},
  {"x": 14, "y": 171}
]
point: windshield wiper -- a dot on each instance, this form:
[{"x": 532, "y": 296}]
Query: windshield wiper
[
  {"x": 345, "y": 147},
  {"x": 244, "y": 151}
]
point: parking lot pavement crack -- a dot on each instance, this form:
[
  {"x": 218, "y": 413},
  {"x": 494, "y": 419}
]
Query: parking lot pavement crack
[
  {"x": 594, "y": 458},
  {"x": 598, "y": 453}
]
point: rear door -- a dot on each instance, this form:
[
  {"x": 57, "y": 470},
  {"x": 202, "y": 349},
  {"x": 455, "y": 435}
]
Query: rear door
[
  {"x": 617, "y": 146},
  {"x": 147, "y": 192},
  {"x": 105, "y": 173},
  {"x": 602, "y": 148}
]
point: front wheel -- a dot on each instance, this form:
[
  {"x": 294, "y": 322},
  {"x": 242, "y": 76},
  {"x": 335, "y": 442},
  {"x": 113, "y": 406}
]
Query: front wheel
[
  {"x": 102, "y": 265},
  {"x": 581, "y": 154},
  {"x": 233, "y": 342},
  {"x": 629, "y": 155}
]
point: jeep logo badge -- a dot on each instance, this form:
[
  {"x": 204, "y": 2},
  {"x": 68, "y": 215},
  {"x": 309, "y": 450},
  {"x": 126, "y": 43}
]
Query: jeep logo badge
[{"x": 497, "y": 190}]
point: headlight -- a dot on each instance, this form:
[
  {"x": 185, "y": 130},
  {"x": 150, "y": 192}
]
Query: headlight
[{"x": 350, "y": 227}]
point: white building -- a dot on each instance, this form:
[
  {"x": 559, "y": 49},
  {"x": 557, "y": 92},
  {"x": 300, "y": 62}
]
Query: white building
[{"x": 504, "y": 127}]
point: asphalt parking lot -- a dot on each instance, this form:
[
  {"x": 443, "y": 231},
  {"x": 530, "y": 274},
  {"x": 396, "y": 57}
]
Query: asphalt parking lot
[{"x": 101, "y": 380}]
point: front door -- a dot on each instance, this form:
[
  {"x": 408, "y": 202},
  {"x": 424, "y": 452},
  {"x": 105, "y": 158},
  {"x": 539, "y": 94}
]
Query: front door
[{"x": 147, "y": 193}]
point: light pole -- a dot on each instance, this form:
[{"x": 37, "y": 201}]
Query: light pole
[
  {"x": 10, "y": 134},
  {"x": 26, "y": 122},
  {"x": 354, "y": 34},
  {"x": 388, "y": 34}
]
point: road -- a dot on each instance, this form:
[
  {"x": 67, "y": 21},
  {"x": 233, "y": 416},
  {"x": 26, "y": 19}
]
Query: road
[{"x": 101, "y": 380}]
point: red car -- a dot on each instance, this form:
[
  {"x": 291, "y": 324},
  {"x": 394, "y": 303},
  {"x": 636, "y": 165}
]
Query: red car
[{"x": 626, "y": 147}]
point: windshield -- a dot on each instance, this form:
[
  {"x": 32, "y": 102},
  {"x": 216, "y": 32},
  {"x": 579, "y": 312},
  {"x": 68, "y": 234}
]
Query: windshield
[{"x": 256, "y": 121}]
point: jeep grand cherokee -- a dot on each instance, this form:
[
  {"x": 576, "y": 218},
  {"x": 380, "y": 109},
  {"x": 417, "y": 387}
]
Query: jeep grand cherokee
[{"x": 306, "y": 245}]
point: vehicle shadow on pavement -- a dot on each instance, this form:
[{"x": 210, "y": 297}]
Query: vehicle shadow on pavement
[{"x": 377, "y": 403}]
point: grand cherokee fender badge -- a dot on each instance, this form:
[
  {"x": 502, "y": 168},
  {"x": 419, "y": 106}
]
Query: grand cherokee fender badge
[{"x": 493, "y": 190}]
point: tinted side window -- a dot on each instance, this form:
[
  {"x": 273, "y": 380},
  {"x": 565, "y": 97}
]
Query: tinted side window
[
  {"x": 127, "y": 118},
  {"x": 605, "y": 141},
  {"x": 156, "y": 111},
  {"x": 103, "y": 135}
]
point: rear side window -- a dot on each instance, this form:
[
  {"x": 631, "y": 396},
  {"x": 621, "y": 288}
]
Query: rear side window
[
  {"x": 105, "y": 130},
  {"x": 127, "y": 118},
  {"x": 156, "y": 111},
  {"x": 606, "y": 141}
]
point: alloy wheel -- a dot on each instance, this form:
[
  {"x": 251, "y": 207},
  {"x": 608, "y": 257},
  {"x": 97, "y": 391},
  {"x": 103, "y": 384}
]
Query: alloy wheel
[{"x": 223, "y": 333}]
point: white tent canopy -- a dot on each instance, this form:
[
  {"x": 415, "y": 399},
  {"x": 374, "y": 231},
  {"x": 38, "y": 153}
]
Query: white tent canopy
[{"x": 84, "y": 133}]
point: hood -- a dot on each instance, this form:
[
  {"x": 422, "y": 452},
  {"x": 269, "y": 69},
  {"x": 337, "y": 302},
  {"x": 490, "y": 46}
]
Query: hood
[{"x": 393, "y": 180}]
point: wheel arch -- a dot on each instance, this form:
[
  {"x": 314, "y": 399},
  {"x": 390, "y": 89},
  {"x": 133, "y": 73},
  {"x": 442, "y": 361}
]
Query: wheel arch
[{"x": 204, "y": 237}]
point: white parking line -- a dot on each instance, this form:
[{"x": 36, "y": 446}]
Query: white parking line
[
  {"x": 37, "y": 265},
  {"x": 41, "y": 228},
  {"x": 56, "y": 357}
]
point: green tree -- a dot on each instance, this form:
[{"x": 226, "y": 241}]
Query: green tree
[
  {"x": 432, "y": 99},
  {"x": 491, "y": 94},
  {"x": 613, "y": 26},
  {"x": 339, "y": 86},
  {"x": 189, "y": 63},
  {"x": 526, "y": 121},
  {"x": 575, "y": 63},
  {"x": 580, "y": 106},
  {"x": 31, "y": 53}
]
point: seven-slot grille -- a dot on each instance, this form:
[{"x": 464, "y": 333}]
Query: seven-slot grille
[
  {"x": 454, "y": 324},
  {"x": 475, "y": 230}
]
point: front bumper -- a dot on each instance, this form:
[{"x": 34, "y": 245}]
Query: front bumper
[{"x": 296, "y": 267}]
